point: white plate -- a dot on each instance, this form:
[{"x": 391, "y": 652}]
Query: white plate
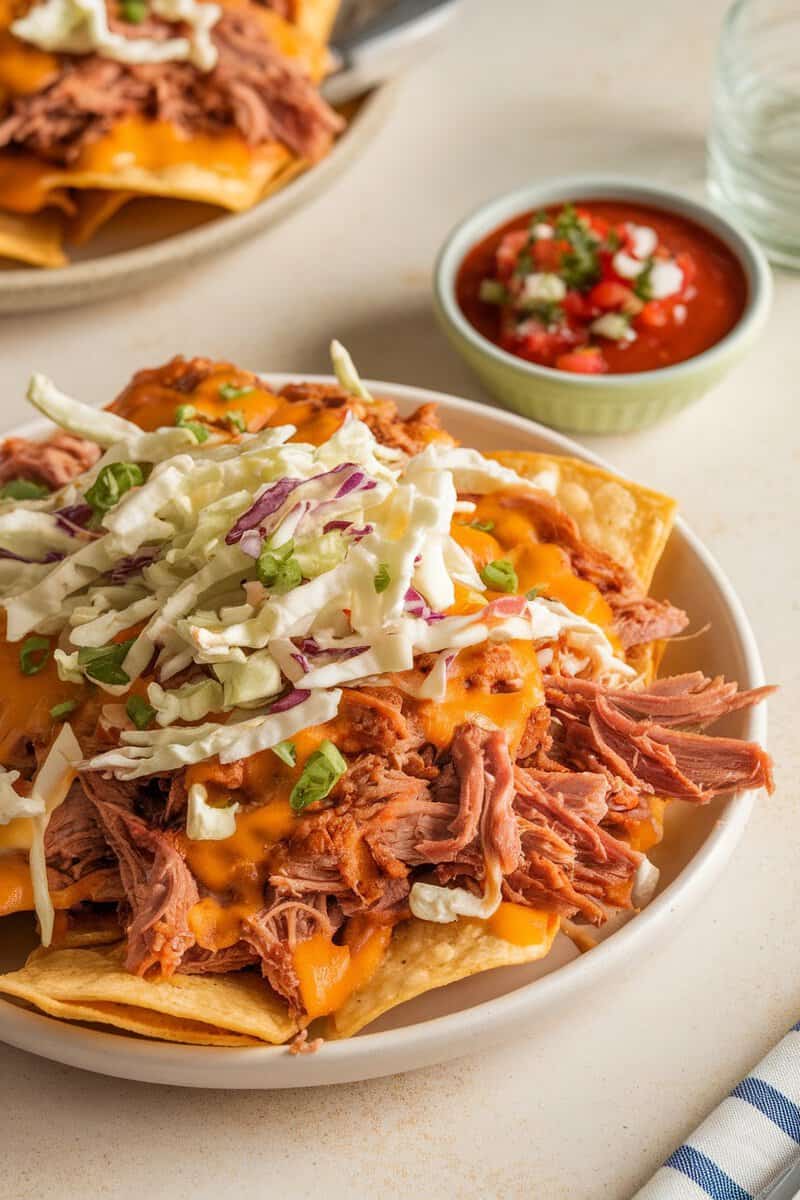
[
  {"x": 150, "y": 239},
  {"x": 497, "y": 1005}
]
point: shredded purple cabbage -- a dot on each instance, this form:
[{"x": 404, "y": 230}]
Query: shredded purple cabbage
[
  {"x": 74, "y": 518},
  {"x": 356, "y": 532},
  {"x": 132, "y": 564},
  {"x": 416, "y": 606},
  {"x": 290, "y": 700},
  {"x": 358, "y": 481},
  {"x": 251, "y": 543},
  {"x": 309, "y": 647},
  {"x": 267, "y": 503},
  {"x": 262, "y": 515}
]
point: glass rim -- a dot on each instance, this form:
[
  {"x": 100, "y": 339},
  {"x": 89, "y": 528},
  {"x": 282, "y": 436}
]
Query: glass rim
[{"x": 732, "y": 42}]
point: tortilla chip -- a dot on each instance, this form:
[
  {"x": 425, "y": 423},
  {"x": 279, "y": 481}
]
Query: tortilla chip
[
  {"x": 628, "y": 521},
  {"x": 422, "y": 956},
  {"x": 315, "y": 18},
  {"x": 82, "y": 981},
  {"x": 34, "y": 238},
  {"x": 137, "y": 1020},
  {"x": 94, "y": 209}
]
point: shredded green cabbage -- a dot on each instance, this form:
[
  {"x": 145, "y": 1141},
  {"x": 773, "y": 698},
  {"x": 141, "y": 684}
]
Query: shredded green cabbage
[{"x": 275, "y": 571}]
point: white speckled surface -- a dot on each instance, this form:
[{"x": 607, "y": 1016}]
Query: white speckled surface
[{"x": 590, "y": 1105}]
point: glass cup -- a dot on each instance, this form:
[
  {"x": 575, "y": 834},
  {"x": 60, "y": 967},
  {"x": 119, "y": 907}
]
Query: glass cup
[{"x": 754, "y": 141}]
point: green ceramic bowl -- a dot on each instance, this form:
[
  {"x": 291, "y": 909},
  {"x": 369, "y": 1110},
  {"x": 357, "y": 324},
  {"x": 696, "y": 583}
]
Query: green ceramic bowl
[{"x": 597, "y": 403}]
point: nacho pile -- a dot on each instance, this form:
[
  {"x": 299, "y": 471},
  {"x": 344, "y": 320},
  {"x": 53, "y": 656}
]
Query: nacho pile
[
  {"x": 307, "y": 710},
  {"x": 104, "y": 101}
]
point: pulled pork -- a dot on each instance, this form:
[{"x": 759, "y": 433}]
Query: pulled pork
[
  {"x": 159, "y": 888},
  {"x": 52, "y": 463},
  {"x": 593, "y": 757},
  {"x": 638, "y": 618},
  {"x": 601, "y": 733},
  {"x": 410, "y": 434},
  {"x": 253, "y": 88}
]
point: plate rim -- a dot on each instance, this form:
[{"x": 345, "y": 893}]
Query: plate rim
[{"x": 422, "y": 1043}]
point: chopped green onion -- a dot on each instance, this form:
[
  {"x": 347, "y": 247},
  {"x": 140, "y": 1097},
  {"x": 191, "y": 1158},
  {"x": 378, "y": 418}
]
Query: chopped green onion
[
  {"x": 104, "y": 663},
  {"x": 539, "y": 218},
  {"x": 524, "y": 264},
  {"x": 532, "y": 593},
  {"x": 500, "y": 576},
  {"x": 59, "y": 711},
  {"x": 277, "y": 569},
  {"x": 23, "y": 489},
  {"x": 33, "y": 655},
  {"x": 580, "y": 265},
  {"x": 613, "y": 240},
  {"x": 549, "y": 312},
  {"x": 482, "y": 526},
  {"x": 286, "y": 752},
  {"x": 229, "y": 391},
  {"x": 323, "y": 768},
  {"x": 642, "y": 286},
  {"x": 183, "y": 415},
  {"x": 111, "y": 484},
  {"x": 236, "y": 421},
  {"x": 492, "y": 291},
  {"x": 133, "y": 11},
  {"x": 382, "y": 578},
  {"x": 139, "y": 711},
  {"x": 568, "y": 221}
]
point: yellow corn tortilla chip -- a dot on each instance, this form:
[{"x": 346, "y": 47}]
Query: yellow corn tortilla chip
[
  {"x": 422, "y": 956},
  {"x": 138, "y": 1020},
  {"x": 82, "y": 979},
  {"x": 315, "y": 18},
  {"x": 628, "y": 521},
  {"x": 94, "y": 209},
  {"x": 33, "y": 238}
]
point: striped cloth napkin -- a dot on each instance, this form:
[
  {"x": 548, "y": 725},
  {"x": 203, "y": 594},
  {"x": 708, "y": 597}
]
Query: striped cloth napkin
[{"x": 747, "y": 1148}]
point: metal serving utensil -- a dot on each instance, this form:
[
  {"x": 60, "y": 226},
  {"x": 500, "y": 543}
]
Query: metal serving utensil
[{"x": 373, "y": 42}]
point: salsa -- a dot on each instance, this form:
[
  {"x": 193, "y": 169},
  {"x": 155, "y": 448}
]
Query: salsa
[{"x": 602, "y": 287}]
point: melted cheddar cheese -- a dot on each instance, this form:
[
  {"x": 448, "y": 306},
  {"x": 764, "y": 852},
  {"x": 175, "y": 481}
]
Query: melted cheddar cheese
[
  {"x": 463, "y": 702},
  {"x": 26, "y": 700},
  {"x": 541, "y": 565},
  {"x": 329, "y": 973},
  {"x": 151, "y": 404},
  {"x": 521, "y": 925},
  {"x": 16, "y": 889},
  {"x": 236, "y": 869},
  {"x": 154, "y": 145}
]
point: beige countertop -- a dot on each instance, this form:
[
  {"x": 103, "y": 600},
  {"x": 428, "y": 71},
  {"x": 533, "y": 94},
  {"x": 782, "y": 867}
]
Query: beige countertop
[{"x": 590, "y": 1104}]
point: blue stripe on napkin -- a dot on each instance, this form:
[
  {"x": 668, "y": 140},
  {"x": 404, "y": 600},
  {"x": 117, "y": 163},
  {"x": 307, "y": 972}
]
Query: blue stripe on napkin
[
  {"x": 702, "y": 1171},
  {"x": 771, "y": 1103},
  {"x": 747, "y": 1143}
]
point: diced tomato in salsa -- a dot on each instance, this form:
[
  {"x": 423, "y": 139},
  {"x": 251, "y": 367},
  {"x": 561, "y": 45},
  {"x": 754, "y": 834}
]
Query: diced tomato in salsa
[{"x": 602, "y": 287}]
